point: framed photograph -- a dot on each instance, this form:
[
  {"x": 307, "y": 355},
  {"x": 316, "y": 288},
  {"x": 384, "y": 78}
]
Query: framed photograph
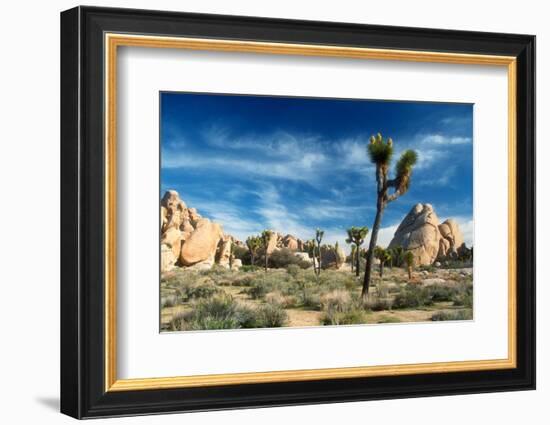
[{"x": 261, "y": 212}]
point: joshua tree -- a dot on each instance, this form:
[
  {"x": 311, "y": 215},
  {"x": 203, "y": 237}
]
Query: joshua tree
[
  {"x": 318, "y": 238},
  {"x": 397, "y": 256},
  {"x": 253, "y": 243},
  {"x": 336, "y": 256},
  {"x": 231, "y": 255},
  {"x": 266, "y": 236},
  {"x": 310, "y": 248},
  {"x": 356, "y": 236},
  {"x": 352, "y": 255},
  {"x": 409, "y": 259},
  {"x": 380, "y": 153},
  {"x": 383, "y": 256}
]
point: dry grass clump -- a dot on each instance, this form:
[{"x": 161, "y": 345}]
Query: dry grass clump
[
  {"x": 466, "y": 314},
  {"x": 224, "y": 312}
]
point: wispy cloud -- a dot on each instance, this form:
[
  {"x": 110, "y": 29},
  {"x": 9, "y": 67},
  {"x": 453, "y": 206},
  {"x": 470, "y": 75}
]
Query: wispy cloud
[
  {"x": 443, "y": 178},
  {"x": 446, "y": 140},
  {"x": 305, "y": 168}
]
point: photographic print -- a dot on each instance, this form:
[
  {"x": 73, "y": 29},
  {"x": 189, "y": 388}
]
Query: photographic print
[{"x": 293, "y": 212}]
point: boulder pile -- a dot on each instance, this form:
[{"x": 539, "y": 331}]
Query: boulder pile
[{"x": 421, "y": 233}]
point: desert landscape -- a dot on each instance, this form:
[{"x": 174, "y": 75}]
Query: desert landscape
[{"x": 211, "y": 280}]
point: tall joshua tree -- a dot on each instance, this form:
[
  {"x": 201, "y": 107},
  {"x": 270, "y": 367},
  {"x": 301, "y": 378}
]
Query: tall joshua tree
[
  {"x": 318, "y": 238},
  {"x": 409, "y": 259},
  {"x": 352, "y": 255},
  {"x": 266, "y": 236},
  {"x": 253, "y": 243},
  {"x": 380, "y": 152},
  {"x": 356, "y": 236},
  {"x": 384, "y": 256}
]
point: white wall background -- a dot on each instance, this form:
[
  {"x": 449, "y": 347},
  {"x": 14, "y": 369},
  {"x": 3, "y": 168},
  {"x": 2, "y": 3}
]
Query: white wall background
[{"x": 29, "y": 212}]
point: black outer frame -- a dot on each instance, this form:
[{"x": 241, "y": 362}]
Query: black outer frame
[{"x": 82, "y": 207}]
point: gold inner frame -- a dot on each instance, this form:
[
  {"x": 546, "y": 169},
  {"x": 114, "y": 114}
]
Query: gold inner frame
[{"x": 113, "y": 41}]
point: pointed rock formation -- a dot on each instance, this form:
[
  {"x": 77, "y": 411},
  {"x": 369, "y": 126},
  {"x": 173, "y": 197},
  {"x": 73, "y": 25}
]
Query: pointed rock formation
[{"x": 421, "y": 233}]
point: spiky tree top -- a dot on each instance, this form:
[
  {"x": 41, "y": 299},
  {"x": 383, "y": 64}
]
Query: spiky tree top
[
  {"x": 254, "y": 243},
  {"x": 380, "y": 151},
  {"x": 409, "y": 258},
  {"x": 266, "y": 236},
  {"x": 356, "y": 235},
  {"x": 319, "y": 235},
  {"x": 382, "y": 254}
]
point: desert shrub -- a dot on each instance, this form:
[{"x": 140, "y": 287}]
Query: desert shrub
[
  {"x": 466, "y": 314},
  {"x": 412, "y": 296},
  {"x": 217, "y": 312},
  {"x": 389, "y": 319},
  {"x": 456, "y": 264},
  {"x": 275, "y": 298},
  {"x": 271, "y": 316},
  {"x": 199, "y": 291},
  {"x": 427, "y": 268},
  {"x": 215, "y": 270},
  {"x": 340, "y": 308},
  {"x": 465, "y": 299},
  {"x": 439, "y": 293},
  {"x": 249, "y": 268},
  {"x": 309, "y": 299},
  {"x": 336, "y": 300},
  {"x": 376, "y": 303},
  {"x": 352, "y": 316},
  {"x": 169, "y": 301},
  {"x": 382, "y": 289},
  {"x": 243, "y": 280},
  {"x": 293, "y": 270},
  {"x": 332, "y": 280},
  {"x": 284, "y": 257},
  {"x": 258, "y": 290}
]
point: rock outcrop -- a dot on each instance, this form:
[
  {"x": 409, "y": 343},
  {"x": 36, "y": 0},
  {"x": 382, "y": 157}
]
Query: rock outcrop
[
  {"x": 332, "y": 258},
  {"x": 187, "y": 238},
  {"x": 421, "y": 233},
  {"x": 192, "y": 241},
  {"x": 451, "y": 238}
]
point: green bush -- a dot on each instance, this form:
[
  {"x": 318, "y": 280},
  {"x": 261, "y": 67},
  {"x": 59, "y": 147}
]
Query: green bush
[
  {"x": 465, "y": 299},
  {"x": 199, "y": 291},
  {"x": 217, "y": 312},
  {"x": 309, "y": 299},
  {"x": 354, "y": 316},
  {"x": 375, "y": 303},
  {"x": 466, "y": 314},
  {"x": 293, "y": 270},
  {"x": 439, "y": 293},
  {"x": 336, "y": 300},
  {"x": 412, "y": 296},
  {"x": 271, "y": 316}
]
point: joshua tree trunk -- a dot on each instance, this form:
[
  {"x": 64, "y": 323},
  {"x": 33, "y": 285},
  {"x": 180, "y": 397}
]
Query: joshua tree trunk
[
  {"x": 410, "y": 269},
  {"x": 319, "y": 262},
  {"x": 357, "y": 271},
  {"x": 381, "y": 268},
  {"x": 352, "y": 260},
  {"x": 372, "y": 244},
  {"x": 252, "y": 259}
]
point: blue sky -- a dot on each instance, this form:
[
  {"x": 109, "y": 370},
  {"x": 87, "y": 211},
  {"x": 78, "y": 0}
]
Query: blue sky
[{"x": 294, "y": 164}]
